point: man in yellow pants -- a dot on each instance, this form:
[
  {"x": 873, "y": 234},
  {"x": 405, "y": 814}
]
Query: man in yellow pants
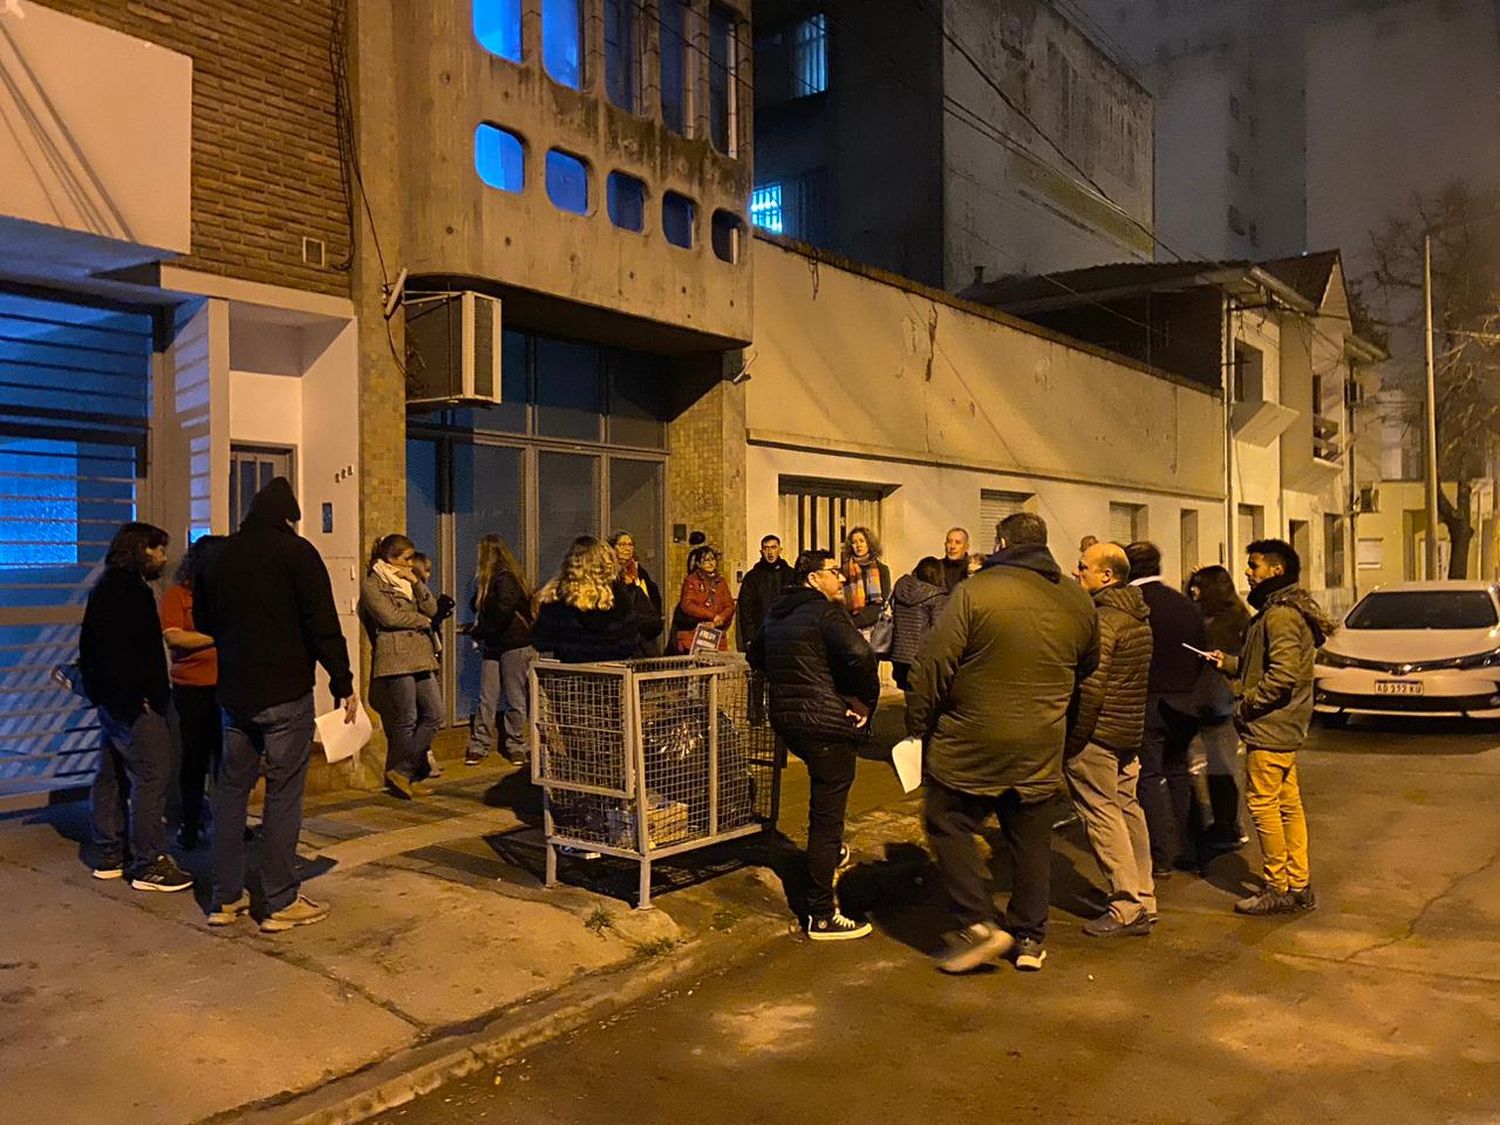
[{"x": 1275, "y": 705}]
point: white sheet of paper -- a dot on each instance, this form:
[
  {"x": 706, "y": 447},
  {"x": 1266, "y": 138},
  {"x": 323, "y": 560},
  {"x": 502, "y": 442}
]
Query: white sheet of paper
[
  {"x": 907, "y": 756},
  {"x": 343, "y": 740}
]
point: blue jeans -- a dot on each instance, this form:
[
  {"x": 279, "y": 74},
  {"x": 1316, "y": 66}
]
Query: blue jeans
[
  {"x": 280, "y": 738},
  {"x": 411, "y": 710},
  {"x": 130, "y": 789},
  {"x": 502, "y": 686}
]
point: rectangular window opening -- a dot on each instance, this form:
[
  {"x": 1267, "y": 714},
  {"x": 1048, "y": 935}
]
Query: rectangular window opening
[
  {"x": 625, "y": 197},
  {"x": 810, "y": 56},
  {"x": 500, "y": 158},
  {"x": 567, "y": 182},
  {"x": 497, "y": 26},
  {"x": 562, "y": 41},
  {"x": 672, "y": 25},
  {"x": 622, "y": 54},
  {"x": 678, "y": 214},
  {"x": 723, "y": 80},
  {"x": 765, "y": 208}
]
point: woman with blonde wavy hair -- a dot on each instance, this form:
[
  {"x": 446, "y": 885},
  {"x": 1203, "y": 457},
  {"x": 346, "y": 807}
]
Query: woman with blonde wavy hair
[
  {"x": 587, "y": 614},
  {"x": 502, "y": 632}
]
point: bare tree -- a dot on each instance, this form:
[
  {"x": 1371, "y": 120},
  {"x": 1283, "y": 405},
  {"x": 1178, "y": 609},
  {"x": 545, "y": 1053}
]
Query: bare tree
[{"x": 1465, "y": 229}]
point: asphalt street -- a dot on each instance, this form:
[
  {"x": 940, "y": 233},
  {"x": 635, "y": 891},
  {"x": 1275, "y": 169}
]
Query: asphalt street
[{"x": 1378, "y": 1007}]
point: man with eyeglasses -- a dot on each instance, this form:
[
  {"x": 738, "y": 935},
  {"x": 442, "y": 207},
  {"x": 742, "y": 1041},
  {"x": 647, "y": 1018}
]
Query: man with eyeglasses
[{"x": 824, "y": 687}]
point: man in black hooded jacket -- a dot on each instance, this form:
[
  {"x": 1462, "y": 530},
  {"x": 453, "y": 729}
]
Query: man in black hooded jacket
[
  {"x": 824, "y": 688},
  {"x": 267, "y": 601}
]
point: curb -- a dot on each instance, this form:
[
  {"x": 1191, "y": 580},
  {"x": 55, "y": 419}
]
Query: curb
[{"x": 406, "y": 1075}]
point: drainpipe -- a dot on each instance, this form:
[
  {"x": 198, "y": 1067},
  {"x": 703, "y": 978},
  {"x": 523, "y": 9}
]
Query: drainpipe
[{"x": 1226, "y": 380}]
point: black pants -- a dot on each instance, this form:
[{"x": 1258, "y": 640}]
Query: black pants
[
  {"x": 830, "y": 766},
  {"x": 953, "y": 821},
  {"x": 1166, "y": 788},
  {"x": 202, "y": 729}
]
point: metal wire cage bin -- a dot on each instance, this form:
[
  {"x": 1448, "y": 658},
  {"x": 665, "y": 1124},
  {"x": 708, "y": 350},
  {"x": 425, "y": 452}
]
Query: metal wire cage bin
[{"x": 646, "y": 759}]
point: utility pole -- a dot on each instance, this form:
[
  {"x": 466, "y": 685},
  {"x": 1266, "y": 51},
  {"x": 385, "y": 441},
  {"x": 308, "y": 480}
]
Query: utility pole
[{"x": 1432, "y": 458}]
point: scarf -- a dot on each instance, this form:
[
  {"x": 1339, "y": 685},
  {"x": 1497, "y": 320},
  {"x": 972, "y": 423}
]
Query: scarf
[
  {"x": 630, "y": 572},
  {"x": 862, "y": 584},
  {"x": 393, "y": 580},
  {"x": 1260, "y": 594}
]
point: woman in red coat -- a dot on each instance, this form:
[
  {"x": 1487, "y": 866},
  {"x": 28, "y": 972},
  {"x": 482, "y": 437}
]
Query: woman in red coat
[{"x": 705, "y": 600}]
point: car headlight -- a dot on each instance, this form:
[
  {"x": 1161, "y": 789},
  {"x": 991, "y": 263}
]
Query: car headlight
[{"x": 1334, "y": 660}]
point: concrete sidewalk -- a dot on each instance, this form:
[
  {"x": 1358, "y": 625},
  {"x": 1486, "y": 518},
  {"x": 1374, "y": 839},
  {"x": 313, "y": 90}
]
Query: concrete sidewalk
[{"x": 121, "y": 1005}]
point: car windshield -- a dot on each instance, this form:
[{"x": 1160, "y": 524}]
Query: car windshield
[{"x": 1424, "y": 609}]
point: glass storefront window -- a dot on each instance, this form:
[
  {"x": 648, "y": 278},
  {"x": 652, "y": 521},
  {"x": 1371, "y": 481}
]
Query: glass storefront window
[{"x": 569, "y": 390}]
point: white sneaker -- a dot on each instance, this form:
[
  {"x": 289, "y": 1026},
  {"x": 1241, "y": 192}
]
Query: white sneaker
[{"x": 836, "y": 927}]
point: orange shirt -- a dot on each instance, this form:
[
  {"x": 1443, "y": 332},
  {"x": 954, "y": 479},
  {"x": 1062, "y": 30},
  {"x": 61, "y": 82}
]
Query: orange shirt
[{"x": 191, "y": 669}]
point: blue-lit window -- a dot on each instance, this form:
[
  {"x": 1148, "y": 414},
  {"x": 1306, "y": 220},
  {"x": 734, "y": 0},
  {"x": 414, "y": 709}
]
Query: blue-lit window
[
  {"x": 673, "y": 40},
  {"x": 728, "y": 233},
  {"x": 622, "y": 53},
  {"x": 626, "y": 198},
  {"x": 39, "y": 511},
  {"x": 678, "y": 214},
  {"x": 562, "y": 41},
  {"x": 497, "y": 26},
  {"x": 810, "y": 56},
  {"x": 500, "y": 158},
  {"x": 567, "y": 182},
  {"x": 765, "y": 208}
]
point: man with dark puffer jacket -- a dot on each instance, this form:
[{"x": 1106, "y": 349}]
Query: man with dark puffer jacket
[
  {"x": 1102, "y": 758},
  {"x": 267, "y": 601},
  {"x": 824, "y": 688}
]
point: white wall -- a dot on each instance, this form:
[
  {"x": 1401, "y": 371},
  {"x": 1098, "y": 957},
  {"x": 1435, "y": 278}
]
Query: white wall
[{"x": 857, "y": 379}]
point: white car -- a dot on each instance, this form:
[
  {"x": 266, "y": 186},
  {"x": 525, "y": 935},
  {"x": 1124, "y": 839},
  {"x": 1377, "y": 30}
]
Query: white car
[{"x": 1418, "y": 648}]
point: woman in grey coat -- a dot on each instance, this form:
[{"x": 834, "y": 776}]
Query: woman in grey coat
[
  {"x": 397, "y": 610},
  {"x": 916, "y": 602}
]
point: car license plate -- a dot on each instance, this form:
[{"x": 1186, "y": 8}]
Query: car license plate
[{"x": 1398, "y": 687}]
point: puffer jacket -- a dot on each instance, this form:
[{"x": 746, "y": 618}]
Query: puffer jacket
[
  {"x": 915, "y": 608},
  {"x": 584, "y": 636},
  {"x": 400, "y": 629},
  {"x": 1111, "y": 705},
  {"x": 991, "y": 687},
  {"x": 1275, "y": 669},
  {"x": 816, "y": 663}
]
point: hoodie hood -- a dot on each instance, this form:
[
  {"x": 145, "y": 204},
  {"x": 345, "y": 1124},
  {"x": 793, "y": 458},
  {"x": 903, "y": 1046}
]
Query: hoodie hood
[
  {"x": 1031, "y": 556},
  {"x": 911, "y": 590},
  {"x": 276, "y": 504},
  {"x": 1127, "y": 599},
  {"x": 1297, "y": 598}
]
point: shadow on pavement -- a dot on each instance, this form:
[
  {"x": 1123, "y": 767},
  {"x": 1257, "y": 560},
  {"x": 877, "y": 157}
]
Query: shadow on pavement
[{"x": 1417, "y": 737}]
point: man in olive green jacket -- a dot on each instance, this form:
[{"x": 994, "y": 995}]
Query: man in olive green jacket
[
  {"x": 989, "y": 696},
  {"x": 1272, "y": 713}
]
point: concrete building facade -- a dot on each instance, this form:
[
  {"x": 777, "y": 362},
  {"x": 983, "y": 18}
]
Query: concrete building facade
[{"x": 941, "y": 140}]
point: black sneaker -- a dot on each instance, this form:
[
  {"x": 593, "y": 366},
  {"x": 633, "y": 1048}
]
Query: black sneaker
[
  {"x": 835, "y": 927},
  {"x": 109, "y": 869},
  {"x": 474, "y": 757},
  {"x": 1303, "y": 898},
  {"x": 974, "y": 945},
  {"x": 1107, "y": 925},
  {"x": 1268, "y": 901},
  {"x": 1029, "y": 955},
  {"x": 400, "y": 784},
  {"x": 161, "y": 874}
]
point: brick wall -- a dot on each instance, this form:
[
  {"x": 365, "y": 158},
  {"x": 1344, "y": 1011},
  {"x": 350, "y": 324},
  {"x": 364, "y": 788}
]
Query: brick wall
[
  {"x": 706, "y": 474},
  {"x": 265, "y": 153}
]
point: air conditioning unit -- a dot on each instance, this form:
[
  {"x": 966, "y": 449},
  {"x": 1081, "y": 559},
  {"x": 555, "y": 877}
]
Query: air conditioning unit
[
  {"x": 452, "y": 348},
  {"x": 1368, "y": 499}
]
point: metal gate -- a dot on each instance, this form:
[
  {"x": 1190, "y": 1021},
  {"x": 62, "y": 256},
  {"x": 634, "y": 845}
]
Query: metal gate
[{"x": 74, "y": 380}]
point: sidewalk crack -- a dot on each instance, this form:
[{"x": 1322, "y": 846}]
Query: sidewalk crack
[{"x": 1421, "y": 915}]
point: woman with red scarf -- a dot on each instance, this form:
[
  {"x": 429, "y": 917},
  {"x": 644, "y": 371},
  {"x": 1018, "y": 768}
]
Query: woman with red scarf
[
  {"x": 633, "y": 573},
  {"x": 867, "y": 580},
  {"x": 705, "y": 600}
]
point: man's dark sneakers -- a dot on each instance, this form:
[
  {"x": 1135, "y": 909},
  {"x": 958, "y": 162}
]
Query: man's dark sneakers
[
  {"x": 161, "y": 874},
  {"x": 973, "y": 946},
  {"x": 1029, "y": 955},
  {"x": 1268, "y": 901},
  {"x": 835, "y": 927},
  {"x": 1107, "y": 925},
  {"x": 1303, "y": 899},
  {"x": 400, "y": 784},
  {"x": 110, "y": 869}
]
